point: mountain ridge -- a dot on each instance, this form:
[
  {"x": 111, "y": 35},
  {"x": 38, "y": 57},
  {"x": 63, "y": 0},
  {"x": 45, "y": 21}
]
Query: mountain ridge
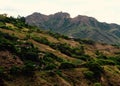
[{"x": 78, "y": 27}]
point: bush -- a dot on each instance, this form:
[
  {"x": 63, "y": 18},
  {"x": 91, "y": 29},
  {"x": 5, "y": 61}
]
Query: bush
[
  {"x": 14, "y": 70},
  {"x": 41, "y": 40},
  {"x": 33, "y": 56},
  {"x": 91, "y": 42},
  {"x": 59, "y": 73},
  {"x": 83, "y": 57},
  {"x": 50, "y": 55},
  {"x": 67, "y": 65},
  {"x": 105, "y": 62},
  {"x": 2, "y": 25},
  {"x": 28, "y": 52},
  {"x": 66, "y": 49},
  {"x": 86, "y": 41},
  {"x": 1, "y": 71},
  {"x": 97, "y": 84},
  {"x": 115, "y": 59},
  {"x": 100, "y": 55},
  {"x": 28, "y": 69},
  {"x": 50, "y": 67},
  {"x": 95, "y": 68},
  {"x": 89, "y": 75}
]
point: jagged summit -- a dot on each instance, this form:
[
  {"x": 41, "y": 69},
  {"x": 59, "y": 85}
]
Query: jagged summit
[{"x": 78, "y": 27}]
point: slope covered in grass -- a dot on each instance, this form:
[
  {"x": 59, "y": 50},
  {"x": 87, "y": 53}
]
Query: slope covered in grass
[{"x": 32, "y": 57}]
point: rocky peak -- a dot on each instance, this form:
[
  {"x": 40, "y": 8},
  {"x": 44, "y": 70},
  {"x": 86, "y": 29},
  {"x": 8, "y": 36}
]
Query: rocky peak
[
  {"x": 62, "y": 14},
  {"x": 80, "y": 19}
]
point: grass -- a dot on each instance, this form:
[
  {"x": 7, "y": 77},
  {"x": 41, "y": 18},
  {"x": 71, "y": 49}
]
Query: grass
[
  {"x": 46, "y": 48},
  {"x": 71, "y": 77},
  {"x": 10, "y": 25},
  {"x": 49, "y": 38},
  {"x": 18, "y": 34},
  {"x": 69, "y": 42}
]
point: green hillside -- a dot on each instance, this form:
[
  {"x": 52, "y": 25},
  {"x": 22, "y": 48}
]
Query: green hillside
[
  {"x": 32, "y": 57},
  {"x": 78, "y": 27}
]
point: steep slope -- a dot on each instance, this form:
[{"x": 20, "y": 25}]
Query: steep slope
[
  {"x": 32, "y": 57},
  {"x": 79, "y": 27}
]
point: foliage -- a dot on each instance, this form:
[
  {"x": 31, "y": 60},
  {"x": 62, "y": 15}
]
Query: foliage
[
  {"x": 7, "y": 42},
  {"x": 100, "y": 55},
  {"x": 14, "y": 70},
  {"x": 89, "y": 75},
  {"x": 116, "y": 59},
  {"x": 41, "y": 40},
  {"x": 59, "y": 72},
  {"x": 57, "y": 35},
  {"x": 95, "y": 68},
  {"x": 105, "y": 62},
  {"x": 2, "y": 24},
  {"x": 1, "y": 71},
  {"x": 28, "y": 69},
  {"x": 48, "y": 61},
  {"x": 97, "y": 84},
  {"x": 84, "y": 41},
  {"x": 50, "y": 67},
  {"x": 66, "y": 49},
  {"x": 33, "y": 59},
  {"x": 29, "y": 53},
  {"x": 67, "y": 65}
]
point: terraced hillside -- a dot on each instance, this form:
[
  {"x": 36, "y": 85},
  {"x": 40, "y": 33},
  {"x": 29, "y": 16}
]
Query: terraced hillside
[{"x": 32, "y": 57}]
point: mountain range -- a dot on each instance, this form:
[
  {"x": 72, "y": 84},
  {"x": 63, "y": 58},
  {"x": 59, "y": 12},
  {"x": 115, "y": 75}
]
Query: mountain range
[{"x": 78, "y": 27}]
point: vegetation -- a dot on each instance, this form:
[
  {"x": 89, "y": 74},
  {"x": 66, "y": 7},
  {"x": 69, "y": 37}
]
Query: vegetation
[
  {"x": 34, "y": 60},
  {"x": 67, "y": 65}
]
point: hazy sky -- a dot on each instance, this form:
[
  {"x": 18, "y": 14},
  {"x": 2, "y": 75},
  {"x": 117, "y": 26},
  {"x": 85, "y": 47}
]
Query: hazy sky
[{"x": 102, "y": 10}]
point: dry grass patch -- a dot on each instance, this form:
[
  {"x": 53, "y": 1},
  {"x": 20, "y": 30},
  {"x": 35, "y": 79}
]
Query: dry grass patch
[
  {"x": 10, "y": 25},
  {"x": 49, "y": 38},
  {"x": 46, "y": 48},
  {"x": 18, "y": 34}
]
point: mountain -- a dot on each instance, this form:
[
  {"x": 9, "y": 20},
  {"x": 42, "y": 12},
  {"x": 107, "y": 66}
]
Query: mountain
[
  {"x": 33, "y": 57},
  {"x": 78, "y": 27}
]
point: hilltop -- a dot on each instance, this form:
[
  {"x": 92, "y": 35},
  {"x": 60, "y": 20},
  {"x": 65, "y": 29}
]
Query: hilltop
[
  {"x": 78, "y": 27},
  {"x": 33, "y": 57}
]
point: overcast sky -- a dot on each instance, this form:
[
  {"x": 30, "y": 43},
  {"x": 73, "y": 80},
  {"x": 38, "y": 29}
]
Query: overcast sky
[{"x": 102, "y": 10}]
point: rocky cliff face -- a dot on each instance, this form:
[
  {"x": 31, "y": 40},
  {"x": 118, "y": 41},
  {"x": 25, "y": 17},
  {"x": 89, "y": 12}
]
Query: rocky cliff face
[{"x": 78, "y": 27}]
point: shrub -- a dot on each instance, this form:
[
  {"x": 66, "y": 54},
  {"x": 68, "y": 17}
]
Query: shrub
[
  {"x": 100, "y": 55},
  {"x": 50, "y": 55},
  {"x": 84, "y": 57},
  {"x": 1, "y": 71},
  {"x": 2, "y": 24},
  {"x": 28, "y": 52},
  {"x": 14, "y": 70},
  {"x": 41, "y": 40},
  {"x": 97, "y": 84},
  {"x": 50, "y": 67},
  {"x": 67, "y": 65},
  {"x": 91, "y": 42},
  {"x": 89, "y": 75},
  {"x": 59, "y": 73},
  {"x": 95, "y": 68},
  {"x": 105, "y": 62},
  {"x": 116, "y": 59},
  {"x": 33, "y": 56},
  {"x": 28, "y": 69}
]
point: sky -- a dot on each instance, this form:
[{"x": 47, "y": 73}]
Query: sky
[{"x": 103, "y": 10}]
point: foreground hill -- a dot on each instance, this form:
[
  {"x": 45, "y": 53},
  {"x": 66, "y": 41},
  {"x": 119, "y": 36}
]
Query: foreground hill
[
  {"x": 31, "y": 57},
  {"x": 78, "y": 27}
]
